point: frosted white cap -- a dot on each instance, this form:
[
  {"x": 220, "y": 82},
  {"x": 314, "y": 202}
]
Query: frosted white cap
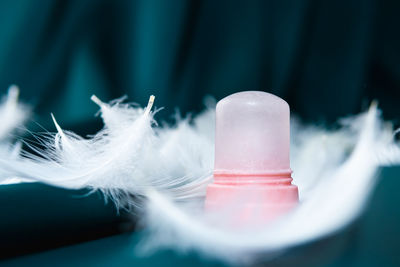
[{"x": 252, "y": 134}]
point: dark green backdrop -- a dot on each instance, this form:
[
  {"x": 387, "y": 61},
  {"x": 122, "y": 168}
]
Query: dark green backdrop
[{"x": 326, "y": 58}]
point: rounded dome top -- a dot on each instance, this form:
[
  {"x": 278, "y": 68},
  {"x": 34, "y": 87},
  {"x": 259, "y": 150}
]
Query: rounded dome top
[{"x": 252, "y": 134}]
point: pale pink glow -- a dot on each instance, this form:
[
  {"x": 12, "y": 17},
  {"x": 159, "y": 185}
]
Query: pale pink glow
[{"x": 252, "y": 134}]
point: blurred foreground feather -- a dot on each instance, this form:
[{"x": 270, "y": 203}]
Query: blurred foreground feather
[{"x": 12, "y": 116}]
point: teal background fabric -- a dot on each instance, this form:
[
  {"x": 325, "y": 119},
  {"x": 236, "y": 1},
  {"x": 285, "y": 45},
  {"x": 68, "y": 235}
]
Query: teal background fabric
[{"x": 326, "y": 58}]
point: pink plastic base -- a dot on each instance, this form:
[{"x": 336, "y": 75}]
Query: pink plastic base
[{"x": 251, "y": 198}]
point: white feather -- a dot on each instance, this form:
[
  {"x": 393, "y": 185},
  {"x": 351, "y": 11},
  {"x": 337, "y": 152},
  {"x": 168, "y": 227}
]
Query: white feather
[
  {"x": 12, "y": 116},
  {"x": 12, "y": 113},
  {"x": 126, "y": 158}
]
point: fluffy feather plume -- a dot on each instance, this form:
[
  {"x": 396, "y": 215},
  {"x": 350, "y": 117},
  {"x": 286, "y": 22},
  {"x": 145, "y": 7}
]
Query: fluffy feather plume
[
  {"x": 169, "y": 167},
  {"x": 128, "y": 156}
]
